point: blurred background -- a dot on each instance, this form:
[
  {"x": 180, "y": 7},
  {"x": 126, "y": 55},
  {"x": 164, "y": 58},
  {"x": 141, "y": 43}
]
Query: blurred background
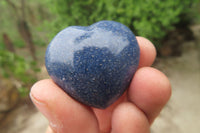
[{"x": 26, "y": 28}]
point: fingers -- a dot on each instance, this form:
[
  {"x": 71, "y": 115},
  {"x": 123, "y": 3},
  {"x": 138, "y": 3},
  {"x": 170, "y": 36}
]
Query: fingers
[
  {"x": 147, "y": 52},
  {"x": 147, "y": 57},
  {"x": 150, "y": 90},
  {"x": 127, "y": 118},
  {"x": 65, "y": 115}
]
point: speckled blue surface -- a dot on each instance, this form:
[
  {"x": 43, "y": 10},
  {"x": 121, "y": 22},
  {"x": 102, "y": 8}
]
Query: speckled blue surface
[{"x": 93, "y": 64}]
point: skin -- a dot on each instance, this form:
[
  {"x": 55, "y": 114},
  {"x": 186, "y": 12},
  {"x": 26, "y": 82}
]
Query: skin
[{"x": 133, "y": 112}]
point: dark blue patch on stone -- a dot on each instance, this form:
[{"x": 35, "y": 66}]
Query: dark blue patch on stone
[{"x": 93, "y": 64}]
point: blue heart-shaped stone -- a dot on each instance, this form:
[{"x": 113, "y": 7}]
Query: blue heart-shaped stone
[{"x": 93, "y": 64}]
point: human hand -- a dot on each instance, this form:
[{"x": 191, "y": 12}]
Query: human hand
[{"x": 133, "y": 112}]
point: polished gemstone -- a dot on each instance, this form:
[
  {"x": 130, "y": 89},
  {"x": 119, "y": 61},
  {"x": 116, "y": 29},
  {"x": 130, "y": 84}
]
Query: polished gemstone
[{"x": 93, "y": 64}]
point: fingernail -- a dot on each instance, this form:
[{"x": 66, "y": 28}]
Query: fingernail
[
  {"x": 42, "y": 107},
  {"x": 46, "y": 109}
]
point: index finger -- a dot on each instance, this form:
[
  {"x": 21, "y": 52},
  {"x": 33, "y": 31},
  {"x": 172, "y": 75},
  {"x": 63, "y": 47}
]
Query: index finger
[{"x": 147, "y": 52}]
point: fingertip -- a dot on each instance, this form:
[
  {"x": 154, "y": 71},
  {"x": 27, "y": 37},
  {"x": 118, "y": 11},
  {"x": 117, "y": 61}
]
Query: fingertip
[
  {"x": 63, "y": 112},
  {"x": 39, "y": 91},
  {"x": 150, "y": 90},
  {"x": 147, "y": 52}
]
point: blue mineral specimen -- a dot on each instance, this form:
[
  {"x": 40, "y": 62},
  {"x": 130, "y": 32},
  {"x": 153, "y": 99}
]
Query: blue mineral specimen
[{"x": 93, "y": 64}]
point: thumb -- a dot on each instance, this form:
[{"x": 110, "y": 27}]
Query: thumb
[{"x": 64, "y": 113}]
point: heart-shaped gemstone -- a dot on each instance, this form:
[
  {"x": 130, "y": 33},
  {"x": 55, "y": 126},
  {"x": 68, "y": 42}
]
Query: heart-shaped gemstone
[{"x": 93, "y": 64}]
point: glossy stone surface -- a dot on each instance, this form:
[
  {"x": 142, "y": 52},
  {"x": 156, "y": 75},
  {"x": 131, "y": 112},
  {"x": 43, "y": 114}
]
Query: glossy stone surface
[{"x": 93, "y": 64}]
